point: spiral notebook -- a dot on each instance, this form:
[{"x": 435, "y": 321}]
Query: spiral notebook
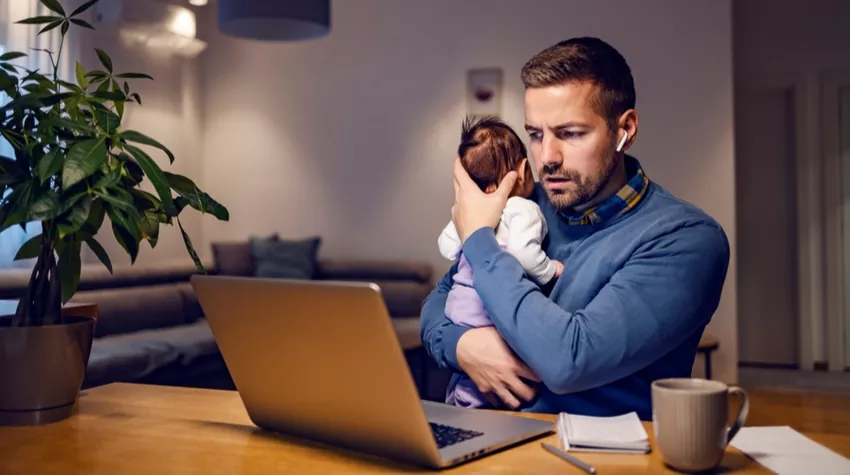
[{"x": 617, "y": 434}]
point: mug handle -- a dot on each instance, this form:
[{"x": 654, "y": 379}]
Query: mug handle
[{"x": 743, "y": 411}]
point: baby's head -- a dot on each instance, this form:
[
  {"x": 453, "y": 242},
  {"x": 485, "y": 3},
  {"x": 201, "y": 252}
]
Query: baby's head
[{"x": 489, "y": 150}]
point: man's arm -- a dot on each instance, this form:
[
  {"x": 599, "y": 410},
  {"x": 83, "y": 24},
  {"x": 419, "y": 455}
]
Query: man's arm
[
  {"x": 439, "y": 334},
  {"x": 666, "y": 291}
]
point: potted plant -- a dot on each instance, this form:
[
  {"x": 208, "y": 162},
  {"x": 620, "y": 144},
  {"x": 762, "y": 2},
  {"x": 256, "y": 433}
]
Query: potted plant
[{"x": 74, "y": 165}]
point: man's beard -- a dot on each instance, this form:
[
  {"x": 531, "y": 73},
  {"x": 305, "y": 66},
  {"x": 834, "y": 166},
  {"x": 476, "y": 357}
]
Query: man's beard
[{"x": 586, "y": 189}]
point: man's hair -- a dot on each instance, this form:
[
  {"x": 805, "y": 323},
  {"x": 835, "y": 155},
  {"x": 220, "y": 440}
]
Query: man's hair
[
  {"x": 585, "y": 59},
  {"x": 489, "y": 149}
]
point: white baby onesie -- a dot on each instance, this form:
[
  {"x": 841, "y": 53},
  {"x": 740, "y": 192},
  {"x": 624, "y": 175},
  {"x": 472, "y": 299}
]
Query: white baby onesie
[{"x": 521, "y": 231}]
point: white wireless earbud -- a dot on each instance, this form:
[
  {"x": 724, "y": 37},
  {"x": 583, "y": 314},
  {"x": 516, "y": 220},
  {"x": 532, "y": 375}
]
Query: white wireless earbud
[{"x": 622, "y": 141}]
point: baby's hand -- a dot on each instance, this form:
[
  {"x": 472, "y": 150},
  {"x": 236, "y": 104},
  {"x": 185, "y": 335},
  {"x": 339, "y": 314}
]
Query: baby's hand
[{"x": 559, "y": 268}]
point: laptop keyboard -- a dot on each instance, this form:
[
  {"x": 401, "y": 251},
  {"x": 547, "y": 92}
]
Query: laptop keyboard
[{"x": 448, "y": 435}]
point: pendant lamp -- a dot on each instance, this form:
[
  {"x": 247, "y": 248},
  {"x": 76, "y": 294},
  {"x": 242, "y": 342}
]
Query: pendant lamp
[{"x": 274, "y": 20}]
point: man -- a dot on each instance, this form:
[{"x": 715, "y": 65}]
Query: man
[{"x": 643, "y": 270}]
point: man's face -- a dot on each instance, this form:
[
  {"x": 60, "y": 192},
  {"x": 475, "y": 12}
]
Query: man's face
[{"x": 571, "y": 145}]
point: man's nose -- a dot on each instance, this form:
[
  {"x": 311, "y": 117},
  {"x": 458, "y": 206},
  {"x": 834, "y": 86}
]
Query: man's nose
[{"x": 550, "y": 154}]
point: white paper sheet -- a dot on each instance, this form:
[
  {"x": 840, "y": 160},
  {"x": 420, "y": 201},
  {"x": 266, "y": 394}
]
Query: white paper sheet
[{"x": 787, "y": 452}]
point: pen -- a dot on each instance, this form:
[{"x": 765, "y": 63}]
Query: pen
[{"x": 569, "y": 458}]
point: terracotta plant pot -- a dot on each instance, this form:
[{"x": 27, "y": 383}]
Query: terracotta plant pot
[{"x": 42, "y": 368}]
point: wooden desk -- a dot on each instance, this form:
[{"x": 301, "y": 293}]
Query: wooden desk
[{"x": 141, "y": 429}]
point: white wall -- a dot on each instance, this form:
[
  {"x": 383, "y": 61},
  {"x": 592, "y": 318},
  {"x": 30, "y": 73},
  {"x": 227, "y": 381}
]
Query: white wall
[
  {"x": 170, "y": 113},
  {"x": 786, "y": 42},
  {"x": 352, "y": 137}
]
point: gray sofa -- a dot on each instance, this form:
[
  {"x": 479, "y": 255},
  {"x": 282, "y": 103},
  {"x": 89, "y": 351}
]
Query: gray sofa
[{"x": 151, "y": 328}]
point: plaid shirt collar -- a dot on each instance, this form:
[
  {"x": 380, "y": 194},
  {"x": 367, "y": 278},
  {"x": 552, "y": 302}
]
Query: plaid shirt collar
[{"x": 624, "y": 200}]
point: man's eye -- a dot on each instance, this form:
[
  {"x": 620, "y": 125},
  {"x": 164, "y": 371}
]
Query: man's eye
[
  {"x": 535, "y": 135},
  {"x": 569, "y": 134}
]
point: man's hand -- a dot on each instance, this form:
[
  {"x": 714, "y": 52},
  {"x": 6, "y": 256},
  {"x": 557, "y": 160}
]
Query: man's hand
[
  {"x": 493, "y": 367},
  {"x": 475, "y": 209}
]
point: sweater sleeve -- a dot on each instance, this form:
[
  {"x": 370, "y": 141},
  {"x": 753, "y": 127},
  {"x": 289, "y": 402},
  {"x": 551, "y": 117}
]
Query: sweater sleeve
[
  {"x": 439, "y": 334},
  {"x": 526, "y": 231},
  {"x": 667, "y": 290}
]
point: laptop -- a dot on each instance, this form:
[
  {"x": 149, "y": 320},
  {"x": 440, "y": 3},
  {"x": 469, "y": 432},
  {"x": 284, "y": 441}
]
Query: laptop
[{"x": 320, "y": 360}]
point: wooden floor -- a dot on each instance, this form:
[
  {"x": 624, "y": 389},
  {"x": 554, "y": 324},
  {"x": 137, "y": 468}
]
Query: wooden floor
[{"x": 827, "y": 413}]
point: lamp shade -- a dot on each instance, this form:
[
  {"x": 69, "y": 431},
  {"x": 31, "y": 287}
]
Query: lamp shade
[{"x": 274, "y": 20}]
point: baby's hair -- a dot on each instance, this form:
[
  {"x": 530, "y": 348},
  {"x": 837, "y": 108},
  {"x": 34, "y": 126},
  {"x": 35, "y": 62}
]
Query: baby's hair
[{"x": 489, "y": 149}]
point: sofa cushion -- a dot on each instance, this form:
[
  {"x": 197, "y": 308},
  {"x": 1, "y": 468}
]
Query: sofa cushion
[
  {"x": 233, "y": 258},
  {"x": 131, "y": 309},
  {"x": 374, "y": 269},
  {"x": 285, "y": 258},
  {"x": 133, "y": 356}
]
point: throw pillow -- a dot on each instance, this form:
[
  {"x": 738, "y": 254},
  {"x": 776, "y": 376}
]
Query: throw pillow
[
  {"x": 287, "y": 259},
  {"x": 235, "y": 258}
]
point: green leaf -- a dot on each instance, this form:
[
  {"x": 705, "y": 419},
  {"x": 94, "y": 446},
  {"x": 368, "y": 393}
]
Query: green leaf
[
  {"x": 190, "y": 248},
  {"x": 126, "y": 88},
  {"x": 27, "y": 101},
  {"x": 70, "y": 267},
  {"x": 119, "y": 107},
  {"x": 138, "y": 137},
  {"x": 45, "y": 207},
  {"x": 149, "y": 227},
  {"x": 196, "y": 198},
  {"x": 83, "y": 159},
  {"x": 108, "y": 120},
  {"x": 50, "y": 165},
  {"x": 108, "y": 95},
  {"x": 11, "y": 167},
  {"x": 105, "y": 60},
  {"x": 133, "y": 170},
  {"x": 82, "y": 23},
  {"x": 100, "y": 252},
  {"x": 82, "y": 8},
  {"x": 144, "y": 200},
  {"x": 126, "y": 231},
  {"x": 12, "y": 55},
  {"x": 181, "y": 202},
  {"x": 77, "y": 217},
  {"x": 38, "y": 20},
  {"x": 109, "y": 180},
  {"x": 97, "y": 74},
  {"x": 51, "y": 26},
  {"x": 118, "y": 202},
  {"x": 54, "y": 5},
  {"x": 71, "y": 86},
  {"x": 95, "y": 219},
  {"x": 156, "y": 176},
  {"x": 137, "y": 97},
  {"x": 65, "y": 27},
  {"x": 16, "y": 206},
  {"x": 55, "y": 98},
  {"x": 79, "y": 126},
  {"x": 30, "y": 249},
  {"x": 81, "y": 76},
  {"x": 133, "y": 76},
  {"x": 9, "y": 67}
]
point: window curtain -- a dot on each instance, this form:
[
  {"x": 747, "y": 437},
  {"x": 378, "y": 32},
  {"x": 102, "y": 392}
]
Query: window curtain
[{"x": 25, "y": 38}]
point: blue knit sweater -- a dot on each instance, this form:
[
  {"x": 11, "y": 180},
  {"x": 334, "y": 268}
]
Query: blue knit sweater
[{"x": 636, "y": 293}]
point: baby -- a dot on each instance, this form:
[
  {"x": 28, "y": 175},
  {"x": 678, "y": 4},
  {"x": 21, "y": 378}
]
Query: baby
[{"x": 489, "y": 150}]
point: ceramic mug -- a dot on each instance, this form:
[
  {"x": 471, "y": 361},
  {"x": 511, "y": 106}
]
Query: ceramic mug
[{"x": 689, "y": 419}]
